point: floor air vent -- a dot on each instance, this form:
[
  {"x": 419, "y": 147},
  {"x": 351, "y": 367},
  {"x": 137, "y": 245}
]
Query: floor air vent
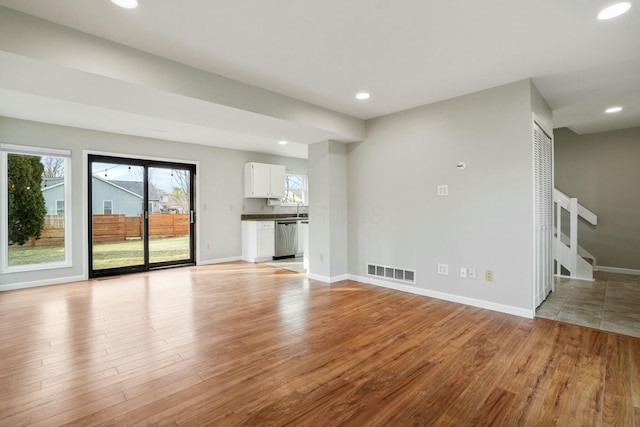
[{"x": 393, "y": 273}]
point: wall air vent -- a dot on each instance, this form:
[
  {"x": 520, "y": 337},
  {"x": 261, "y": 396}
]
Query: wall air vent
[{"x": 393, "y": 273}]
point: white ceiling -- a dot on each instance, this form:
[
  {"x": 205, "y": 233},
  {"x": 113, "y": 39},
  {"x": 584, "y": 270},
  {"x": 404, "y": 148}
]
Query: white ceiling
[{"x": 406, "y": 53}]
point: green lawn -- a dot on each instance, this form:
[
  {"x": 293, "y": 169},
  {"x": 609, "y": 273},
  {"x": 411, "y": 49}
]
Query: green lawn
[
  {"x": 108, "y": 254},
  {"x": 26, "y": 254}
]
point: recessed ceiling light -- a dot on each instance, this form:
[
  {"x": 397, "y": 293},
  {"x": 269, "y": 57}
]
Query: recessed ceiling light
[
  {"x": 613, "y": 110},
  {"x": 127, "y": 4},
  {"x": 283, "y": 142},
  {"x": 614, "y": 10},
  {"x": 363, "y": 95}
]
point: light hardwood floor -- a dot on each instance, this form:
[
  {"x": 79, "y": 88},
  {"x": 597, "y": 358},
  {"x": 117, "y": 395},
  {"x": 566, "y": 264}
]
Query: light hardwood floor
[{"x": 245, "y": 344}]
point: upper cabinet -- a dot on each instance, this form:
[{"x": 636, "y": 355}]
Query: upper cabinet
[{"x": 264, "y": 181}]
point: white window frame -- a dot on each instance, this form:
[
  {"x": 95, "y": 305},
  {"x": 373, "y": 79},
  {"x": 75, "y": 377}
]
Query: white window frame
[
  {"x": 5, "y": 150},
  {"x": 104, "y": 205},
  {"x": 305, "y": 189}
]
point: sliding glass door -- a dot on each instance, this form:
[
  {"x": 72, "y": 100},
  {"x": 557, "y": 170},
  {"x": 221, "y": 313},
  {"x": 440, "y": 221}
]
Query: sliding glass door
[
  {"x": 140, "y": 214},
  {"x": 170, "y": 214}
]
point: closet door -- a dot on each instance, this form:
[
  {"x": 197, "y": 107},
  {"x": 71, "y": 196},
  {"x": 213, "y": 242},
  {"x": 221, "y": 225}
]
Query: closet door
[{"x": 543, "y": 220}]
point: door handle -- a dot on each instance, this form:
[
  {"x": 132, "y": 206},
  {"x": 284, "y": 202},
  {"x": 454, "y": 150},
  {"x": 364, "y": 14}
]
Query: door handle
[{"x": 191, "y": 217}]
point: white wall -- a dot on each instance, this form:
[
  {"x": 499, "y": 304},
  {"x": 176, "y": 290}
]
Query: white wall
[
  {"x": 328, "y": 211},
  {"x": 219, "y": 195},
  {"x": 486, "y": 221},
  {"x": 601, "y": 170}
]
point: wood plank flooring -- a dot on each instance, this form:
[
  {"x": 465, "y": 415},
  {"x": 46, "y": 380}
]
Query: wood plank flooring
[{"x": 245, "y": 344}]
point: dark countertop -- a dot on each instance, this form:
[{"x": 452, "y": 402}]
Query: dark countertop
[{"x": 273, "y": 217}]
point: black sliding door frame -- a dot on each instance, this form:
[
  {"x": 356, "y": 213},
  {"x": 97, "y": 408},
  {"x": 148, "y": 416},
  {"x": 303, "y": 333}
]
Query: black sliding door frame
[{"x": 146, "y": 265}]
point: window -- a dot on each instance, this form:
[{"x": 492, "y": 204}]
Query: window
[
  {"x": 34, "y": 194},
  {"x": 107, "y": 207},
  {"x": 295, "y": 189}
]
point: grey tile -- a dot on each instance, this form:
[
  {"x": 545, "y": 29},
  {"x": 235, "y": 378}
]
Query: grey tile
[
  {"x": 623, "y": 278},
  {"x": 622, "y": 304},
  {"x": 623, "y": 315},
  {"x": 611, "y": 302},
  {"x": 550, "y": 308},
  {"x": 588, "y": 284},
  {"x": 584, "y": 315},
  {"x": 622, "y": 296},
  {"x": 623, "y": 285},
  {"x": 600, "y": 275},
  {"x": 621, "y": 328},
  {"x": 586, "y": 302},
  {"x": 561, "y": 291}
]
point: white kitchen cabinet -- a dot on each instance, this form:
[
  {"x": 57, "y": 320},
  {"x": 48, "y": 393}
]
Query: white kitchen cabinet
[
  {"x": 258, "y": 240},
  {"x": 262, "y": 180}
]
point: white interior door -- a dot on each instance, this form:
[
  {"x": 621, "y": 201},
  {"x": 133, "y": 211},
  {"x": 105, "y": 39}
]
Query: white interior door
[{"x": 543, "y": 188}]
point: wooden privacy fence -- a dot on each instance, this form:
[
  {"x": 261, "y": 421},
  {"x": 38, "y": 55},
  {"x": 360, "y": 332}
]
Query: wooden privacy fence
[
  {"x": 53, "y": 232},
  {"x": 114, "y": 228},
  {"x": 168, "y": 225}
]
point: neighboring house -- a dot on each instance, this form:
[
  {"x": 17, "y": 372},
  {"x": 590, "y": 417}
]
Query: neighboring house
[
  {"x": 175, "y": 204},
  {"x": 137, "y": 187},
  {"x": 109, "y": 197},
  {"x": 53, "y": 192}
]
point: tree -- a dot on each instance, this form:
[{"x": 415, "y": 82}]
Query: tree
[
  {"x": 53, "y": 166},
  {"x": 182, "y": 188},
  {"x": 181, "y": 179},
  {"x": 26, "y": 202}
]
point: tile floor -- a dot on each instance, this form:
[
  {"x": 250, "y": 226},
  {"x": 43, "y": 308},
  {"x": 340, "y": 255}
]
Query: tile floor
[{"x": 610, "y": 303}]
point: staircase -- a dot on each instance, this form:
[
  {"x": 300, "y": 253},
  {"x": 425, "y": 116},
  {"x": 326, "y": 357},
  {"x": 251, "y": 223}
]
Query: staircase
[{"x": 566, "y": 251}]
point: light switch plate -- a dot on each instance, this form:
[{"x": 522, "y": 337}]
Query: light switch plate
[
  {"x": 443, "y": 190},
  {"x": 488, "y": 275},
  {"x": 443, "y": 269}
]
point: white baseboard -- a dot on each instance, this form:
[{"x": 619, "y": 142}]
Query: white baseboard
[
  {"x": 618, "y": 270},
  {"x": 516, "y": 311},
  {"x": 327, "y": 279},
  {"x": 36, "y": 283},
  {"x": 563, "y": 276},
  {"x": 219, "y": 260}
]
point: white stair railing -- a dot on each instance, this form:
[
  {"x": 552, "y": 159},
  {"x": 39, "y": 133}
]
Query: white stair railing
[{"x": 566, "y": 251}]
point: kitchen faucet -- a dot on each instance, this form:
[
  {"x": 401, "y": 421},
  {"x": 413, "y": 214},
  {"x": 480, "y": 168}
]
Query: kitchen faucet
[{"x": 298, "y": 209}]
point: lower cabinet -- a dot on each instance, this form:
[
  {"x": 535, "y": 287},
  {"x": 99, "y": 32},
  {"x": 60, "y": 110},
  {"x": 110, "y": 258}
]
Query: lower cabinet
[{"x": 258, "y": 240}]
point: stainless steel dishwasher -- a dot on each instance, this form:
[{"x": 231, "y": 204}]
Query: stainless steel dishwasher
[{"x": 286, "y": 239}]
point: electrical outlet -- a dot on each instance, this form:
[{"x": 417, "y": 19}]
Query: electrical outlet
[
  {"x": 443, "y": 269},
  {"x": 488, "y": 276},
  {"x": 463, "y": 272},
  {"x": 321, "y": 257},
  {"x": 472, "y": 273},
  {"x": 443, "y": 190}
]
